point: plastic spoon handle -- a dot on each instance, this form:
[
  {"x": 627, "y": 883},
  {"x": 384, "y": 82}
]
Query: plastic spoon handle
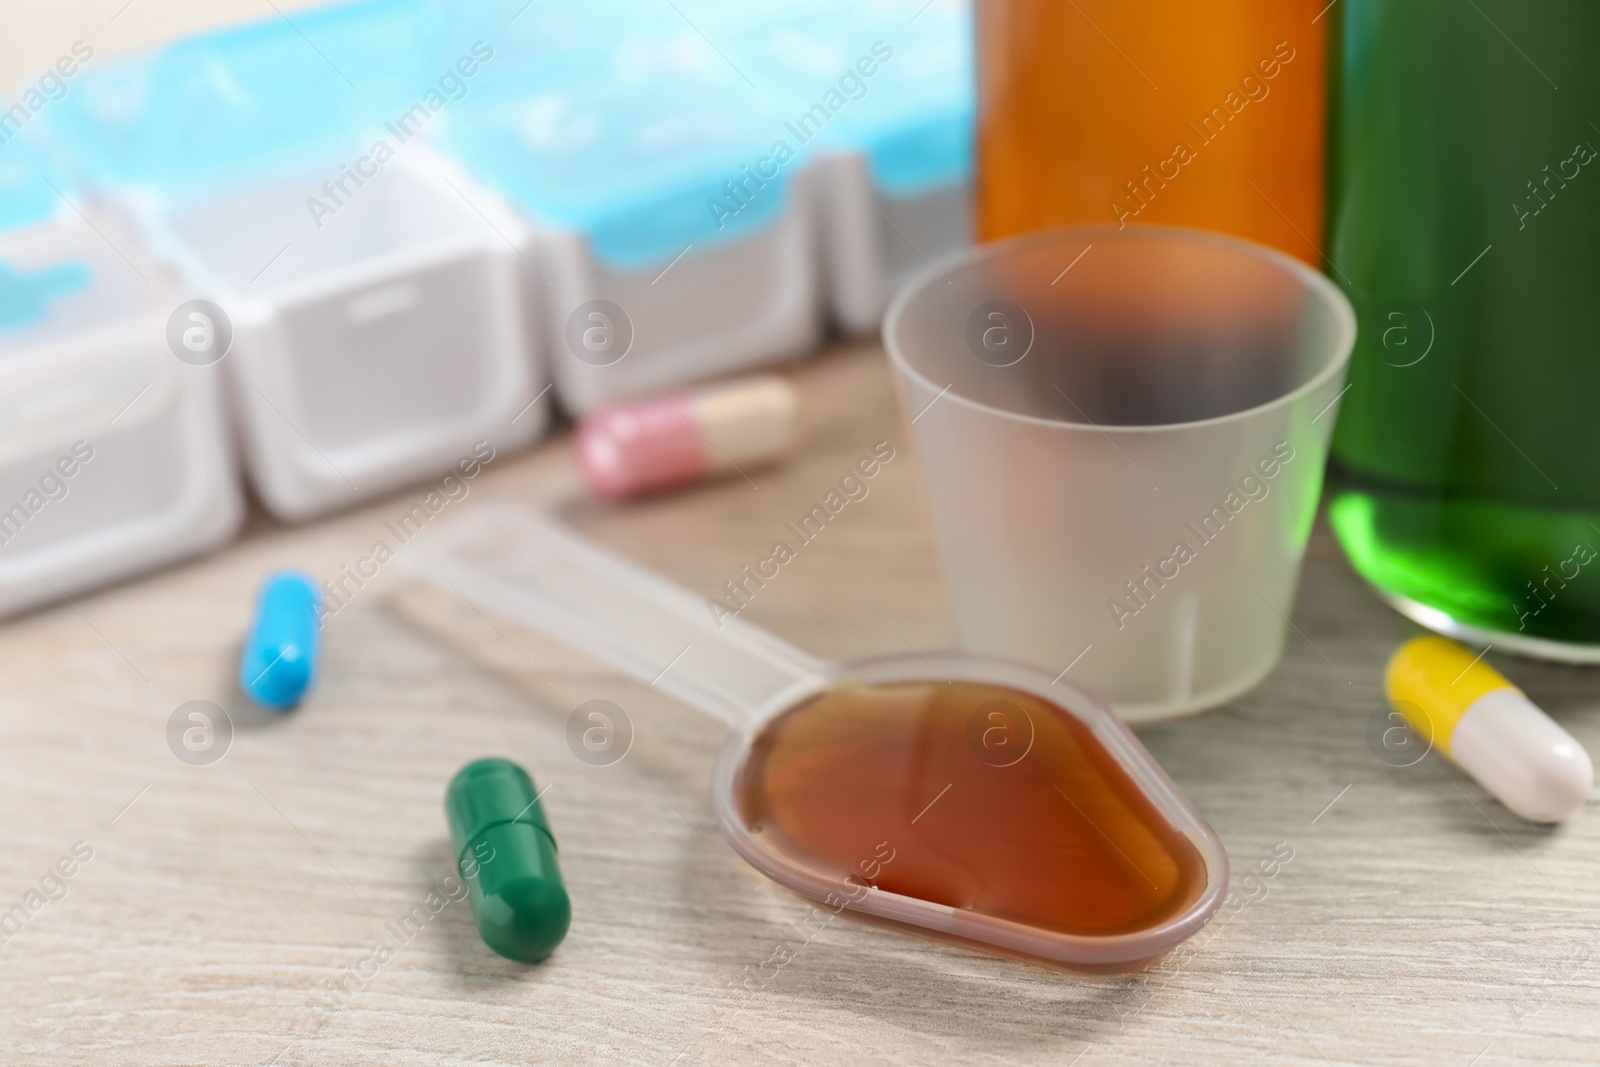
[{"x": 549, "y": 579}]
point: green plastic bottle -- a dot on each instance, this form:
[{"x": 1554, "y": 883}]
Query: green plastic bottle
[{"x": 1464, "y": 225}]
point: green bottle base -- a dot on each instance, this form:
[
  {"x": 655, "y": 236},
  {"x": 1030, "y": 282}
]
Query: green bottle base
[{"x": 1525, "y": 580}]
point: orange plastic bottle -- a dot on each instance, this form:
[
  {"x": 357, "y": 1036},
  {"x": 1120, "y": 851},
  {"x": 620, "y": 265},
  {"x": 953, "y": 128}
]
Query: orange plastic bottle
[{"x": 1207, "y": 115}]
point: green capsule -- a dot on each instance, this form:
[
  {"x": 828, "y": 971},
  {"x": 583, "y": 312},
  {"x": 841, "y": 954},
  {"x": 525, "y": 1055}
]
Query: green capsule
[{"x": 507, "y": 856}]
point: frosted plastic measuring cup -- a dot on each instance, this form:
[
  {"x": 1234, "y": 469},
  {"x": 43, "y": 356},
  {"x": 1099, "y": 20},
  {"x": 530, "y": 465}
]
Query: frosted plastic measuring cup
[
  {"x": 547, "y": 578},
  {"x": 1123, "y": 435}
]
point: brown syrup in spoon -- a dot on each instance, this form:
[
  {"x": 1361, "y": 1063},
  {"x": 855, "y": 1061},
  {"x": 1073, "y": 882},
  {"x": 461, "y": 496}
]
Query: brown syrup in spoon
[{"x": 972, "y": 795}]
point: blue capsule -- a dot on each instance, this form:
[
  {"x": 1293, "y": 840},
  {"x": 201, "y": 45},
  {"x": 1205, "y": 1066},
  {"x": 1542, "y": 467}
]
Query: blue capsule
[{"x": 280, "y": 655}]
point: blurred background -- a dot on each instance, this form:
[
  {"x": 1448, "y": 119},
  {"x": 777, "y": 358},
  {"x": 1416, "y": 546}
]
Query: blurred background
[{"x": 416, "y": 226}]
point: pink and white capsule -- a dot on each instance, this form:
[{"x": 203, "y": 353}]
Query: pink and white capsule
[{"x": 678, "y": 438}]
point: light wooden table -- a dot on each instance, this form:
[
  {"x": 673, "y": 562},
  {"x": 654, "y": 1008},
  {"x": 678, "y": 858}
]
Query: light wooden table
[{"x": 1417, "y": 922}]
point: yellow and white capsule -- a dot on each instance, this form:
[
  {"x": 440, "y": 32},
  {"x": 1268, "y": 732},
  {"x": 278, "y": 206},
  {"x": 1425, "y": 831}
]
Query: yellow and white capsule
[{"x": 1488, "y": 728}]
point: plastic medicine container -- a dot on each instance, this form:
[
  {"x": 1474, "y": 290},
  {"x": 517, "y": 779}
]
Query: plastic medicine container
[{"x": 114, "y": 454}]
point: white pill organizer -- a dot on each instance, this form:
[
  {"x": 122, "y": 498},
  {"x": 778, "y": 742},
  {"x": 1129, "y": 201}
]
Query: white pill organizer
[
  {"x": 617, "y": 156},
  {"x": 114, "y": 455},
  {"x": 379, "y": 325},
  {"x": 415, "y": 223}
]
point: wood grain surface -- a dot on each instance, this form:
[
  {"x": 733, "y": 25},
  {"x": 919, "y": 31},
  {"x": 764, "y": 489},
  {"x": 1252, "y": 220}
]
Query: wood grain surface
[{"x": 229, "y": 913}]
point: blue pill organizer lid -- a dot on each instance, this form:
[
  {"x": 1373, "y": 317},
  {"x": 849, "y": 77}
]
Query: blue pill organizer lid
[
  {"x": 28, "y": 191},
  {"x": 638, "y": 155},
  {"x": 911, "y": 117},
  {"x": 61, "y": 279},
  {"x": 543, "y": 44},
  {"x": 26, "y": 295},
  {"x": 247, "y": 104},
  {"x": 922, "y": 136},
  {"x": 29, "y": 197}
]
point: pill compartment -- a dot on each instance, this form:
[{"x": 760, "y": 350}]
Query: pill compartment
[
  {"x": 381, "y": 320},
  {"x": 618, "y": 164},
  {"x": 916, "y": 210},
  {"x": 883, "y": 93},
  {"x": 114, "y": 455},
  {"x": 731, "y": 307},
  {"x": 372, "y": 352}
]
